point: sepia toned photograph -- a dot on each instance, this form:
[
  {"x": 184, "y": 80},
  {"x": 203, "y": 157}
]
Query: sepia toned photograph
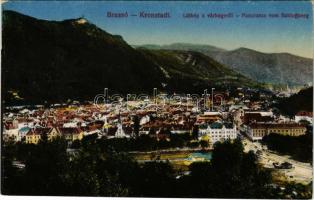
[{"x": 157, "y": 99}]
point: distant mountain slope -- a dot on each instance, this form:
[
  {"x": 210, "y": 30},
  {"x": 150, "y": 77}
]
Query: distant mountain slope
[
  {"x": 73, "y": 59},
  {"x": 186, "y": 69},
  {"x": 276, "y": 68},
  {"x": 204, "y": 49}
]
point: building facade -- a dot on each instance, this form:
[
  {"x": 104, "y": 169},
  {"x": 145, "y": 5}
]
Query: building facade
[
  {"x": 33, "y": 135},
  {"x": 256, "y": 131},
  {"x": 218, "y": 131},
  {"x": 304, "y": 116}
]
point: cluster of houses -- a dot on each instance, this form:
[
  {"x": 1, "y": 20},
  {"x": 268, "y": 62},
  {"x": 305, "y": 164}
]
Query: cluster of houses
[
  {"x": 75, "y": 121},
  {"x": 70, "y": 134},
  {"x": 214, "y": 127},
  {"x": 32, "y": 135},
  {"x": 257, "y": 124}
]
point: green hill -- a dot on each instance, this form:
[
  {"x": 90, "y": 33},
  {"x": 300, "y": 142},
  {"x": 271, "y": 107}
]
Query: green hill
[
  {"x": 73, "y": 59},
  {"x": 50, "y": 60},
  {"x": 193, "y": 70}
]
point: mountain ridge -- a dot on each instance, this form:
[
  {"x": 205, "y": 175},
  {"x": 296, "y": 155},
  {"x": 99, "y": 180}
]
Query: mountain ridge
[
  {"x": 68, "y": 59},
  {"x": 274, "y": 68},
  {"x": 74, "y": 59}
]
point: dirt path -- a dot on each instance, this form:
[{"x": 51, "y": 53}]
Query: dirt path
[{"x": 301, "y": 172}]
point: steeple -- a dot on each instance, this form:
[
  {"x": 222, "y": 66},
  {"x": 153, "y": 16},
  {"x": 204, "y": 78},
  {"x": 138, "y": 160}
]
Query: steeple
[
  {"x": 105, "y": 126},
  {"x": 120, "y": 132}
]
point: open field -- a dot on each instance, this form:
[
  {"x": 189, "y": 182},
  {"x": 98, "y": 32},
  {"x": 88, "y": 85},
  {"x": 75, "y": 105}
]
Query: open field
[
  {"x": 180, "y": 160},
  {"x": 147, "y": 156}
]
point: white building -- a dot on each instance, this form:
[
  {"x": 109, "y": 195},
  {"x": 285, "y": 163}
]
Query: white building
[
  {"x": 144, "y": 120},
  {"x": 304, "y": 116},
  {"x": 120, "y": 132},
  {"x": 11, "y": 134},
  {"x": 70, "y": 125},
  {"x": 241, "y": 107},
  {"x": 299, "y": 118},
  {"x": 256, "y": 131},
  {"x": 218, "y": 131}
]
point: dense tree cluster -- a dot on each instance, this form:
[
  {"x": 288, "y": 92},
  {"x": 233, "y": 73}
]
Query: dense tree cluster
[
  {"x": 302, "y": 101},
  {"x": 230, "y": 174},
  {"x": 300, "y": 148},
  {"x": 148, "y": 143},
  {"x": 95, "y": 169}
]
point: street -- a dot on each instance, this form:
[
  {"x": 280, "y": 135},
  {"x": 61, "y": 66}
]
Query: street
[{"x": 300, "y": 172}]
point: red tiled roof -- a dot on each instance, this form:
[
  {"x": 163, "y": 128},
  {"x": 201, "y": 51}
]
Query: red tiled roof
[
  {"x": 38, "y": 131},
  {"x": 305, "y": 113},
  {"x": 66, "y": 131},
  {"x": 255, "y": 117},
  {"x": 275, "y": 125}
]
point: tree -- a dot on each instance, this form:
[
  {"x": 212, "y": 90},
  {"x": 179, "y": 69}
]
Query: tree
[
  {"x": 136, "y": 125},
  {"x": 230, "y": 170},
  {"x": 46, "y": 165},
  {"x": 204, "y": 144},
  {"x": 299, "y": 147},
  {"x": 9, "y": 173},
  {"x": 76, "y": 144},
  {"x": 98, "y": 169},
  {"x": 177, "y": 140},
  {"x": 44, "y": 137},
  {"x": 157, "y": 179},
  {"x": 195, "y": 132}
]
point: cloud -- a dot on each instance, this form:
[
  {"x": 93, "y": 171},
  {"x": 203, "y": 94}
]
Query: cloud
[{"x": 3, "y": 1}]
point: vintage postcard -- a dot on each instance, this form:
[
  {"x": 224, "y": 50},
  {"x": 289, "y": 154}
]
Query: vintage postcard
[{"x": 172, "y": 99}]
